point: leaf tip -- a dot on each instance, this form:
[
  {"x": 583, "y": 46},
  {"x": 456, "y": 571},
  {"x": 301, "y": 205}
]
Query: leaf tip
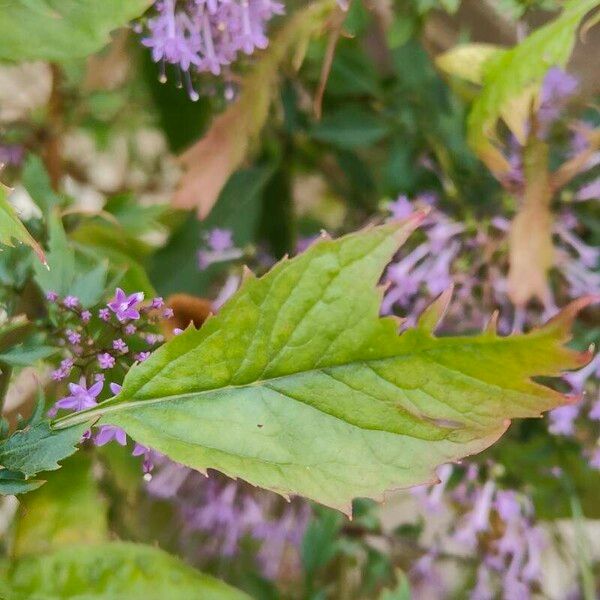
[
  {"x": 491, "y": 327},
  {"x": 433, "y": 315}
]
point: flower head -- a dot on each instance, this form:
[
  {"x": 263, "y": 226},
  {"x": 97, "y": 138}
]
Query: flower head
[
  {"x": 106, "y": 361},
  {"x": 81, "y": 396},
  {"x": 124, "y": 306}
]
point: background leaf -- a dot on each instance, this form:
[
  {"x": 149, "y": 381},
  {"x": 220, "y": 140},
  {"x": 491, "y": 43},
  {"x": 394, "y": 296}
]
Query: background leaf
[
  {"x": 11, "y": 227},
  {"x": 67, "y": 510},
  {"x": 112, "y": 571}
]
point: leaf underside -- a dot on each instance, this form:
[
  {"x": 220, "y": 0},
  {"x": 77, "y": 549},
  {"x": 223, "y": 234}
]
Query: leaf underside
[{"x": 298, "y": 385}]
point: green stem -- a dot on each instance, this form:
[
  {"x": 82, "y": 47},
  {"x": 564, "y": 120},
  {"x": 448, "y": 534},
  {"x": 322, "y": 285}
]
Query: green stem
[{"x": 5, "y": 374}]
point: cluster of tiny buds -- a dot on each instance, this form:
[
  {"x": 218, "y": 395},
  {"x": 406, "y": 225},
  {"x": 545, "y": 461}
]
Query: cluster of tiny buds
[
  {"x": 110, "y": 334},
  {"x": 107, "y": 339}
]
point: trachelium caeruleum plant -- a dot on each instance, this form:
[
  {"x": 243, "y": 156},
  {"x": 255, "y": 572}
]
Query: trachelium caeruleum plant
[{"x": 322, "y": 324}]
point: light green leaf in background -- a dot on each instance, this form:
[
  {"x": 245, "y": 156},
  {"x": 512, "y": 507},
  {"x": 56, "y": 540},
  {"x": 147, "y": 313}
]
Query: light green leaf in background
[
  {"x": 14, "y": 482},
  {"x": 66, "y": 275},
  {"x": 11, "y": 227},
  {"x": 298, "y": 386},
  {"x": 67, "y": 510},
  {"x": 112, "y": 571},
  {"x": 350, "y": 127},
  {"x": 59, "y": 30},
  {"x": 508, "y": 74},
  {"x": 37, "y": 183},
  {"x": 467, "y": 60}
]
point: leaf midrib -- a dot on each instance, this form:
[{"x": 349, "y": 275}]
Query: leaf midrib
[{"x": 111, "y": 406}]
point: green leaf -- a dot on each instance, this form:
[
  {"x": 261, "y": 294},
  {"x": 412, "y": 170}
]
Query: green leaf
[
  {"x": 68, "y": 274},
  {"x": 39, "y": 447},
  {"x": 14, "y": 482},
  {"x": 350, "y": 127},
  {"x": 298, "y": 386},
  {"x": 24, "y": 355},
  {"x": 11, "y": 227},
  {"x": 113, "y": 571},
  {"x": 67, "y": 510},
  {"x": 507, "y": 74},
  {"x": 467, "y": 60},
  {"x": 59, "y": 30},
  {"x": 38, "y": 185}
]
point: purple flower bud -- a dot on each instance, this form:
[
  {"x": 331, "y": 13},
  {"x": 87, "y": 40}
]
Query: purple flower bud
[
  {"x": 106, "y": 361},
  {"x": 130, "y": 329},
  {"x": 71, "y": 302},
  {"x": 142, "y": 356},
  {"x": 104, "y": 314},
  {"x": 115, "y": 388},
  {"x": 52, "y": 296},
  {"x": 74, "y": 337},
  {"x": 157, "y": 302},
  {"x": 562, "y": 419},
  {"x": 168, "y": 313},
  {"x": 120, "y": 346},
  {"x": 86, "y": 315},
  {"x": 177, "y": 331}
]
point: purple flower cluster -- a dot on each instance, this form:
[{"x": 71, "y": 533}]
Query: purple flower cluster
[
  {"x": 495, "y": 527},
  {"x": 106, "y": 341},
  {"x": 217, "y": 514},
  {"x": 207, "y": 35}
]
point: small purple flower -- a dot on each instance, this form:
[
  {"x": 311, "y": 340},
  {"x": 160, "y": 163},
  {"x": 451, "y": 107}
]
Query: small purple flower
[
  {"x": 104, "y": 314},
  {"x": 590, "y": 191},
  {"x": 219, "y": 239},
  {"x": 168, "y": 313},
  {"x": 52, "y": 296},
  {"x": 401, "y": 208},
  {"x": 74, "y": 337},
  {"x": 106, "y": 361},
  {"x": 130, "y": 329},
  {"x": 115, "y": 388},
  {"x": 148, "y": 464},
  {"x": 63, "y": 371},
  {"x": 120, "y": 346},
  {"x": 86, "y": 315},
  {"x": 142, "y": 356},
  {"x": 71, "y": 302},
  {"x": 124, "y": 306},
  {"x": 157, "y": 302},
  {"x": 177, "y": 331},
  {"x": 562, "y": 419},
  {"x": 154, "y": 338},
  {"x": 594, "y": 413},
  {"x": 81, "y": 396},
  {"x": 557, "y": 88},
  {"x": 108, "y": 433}
]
